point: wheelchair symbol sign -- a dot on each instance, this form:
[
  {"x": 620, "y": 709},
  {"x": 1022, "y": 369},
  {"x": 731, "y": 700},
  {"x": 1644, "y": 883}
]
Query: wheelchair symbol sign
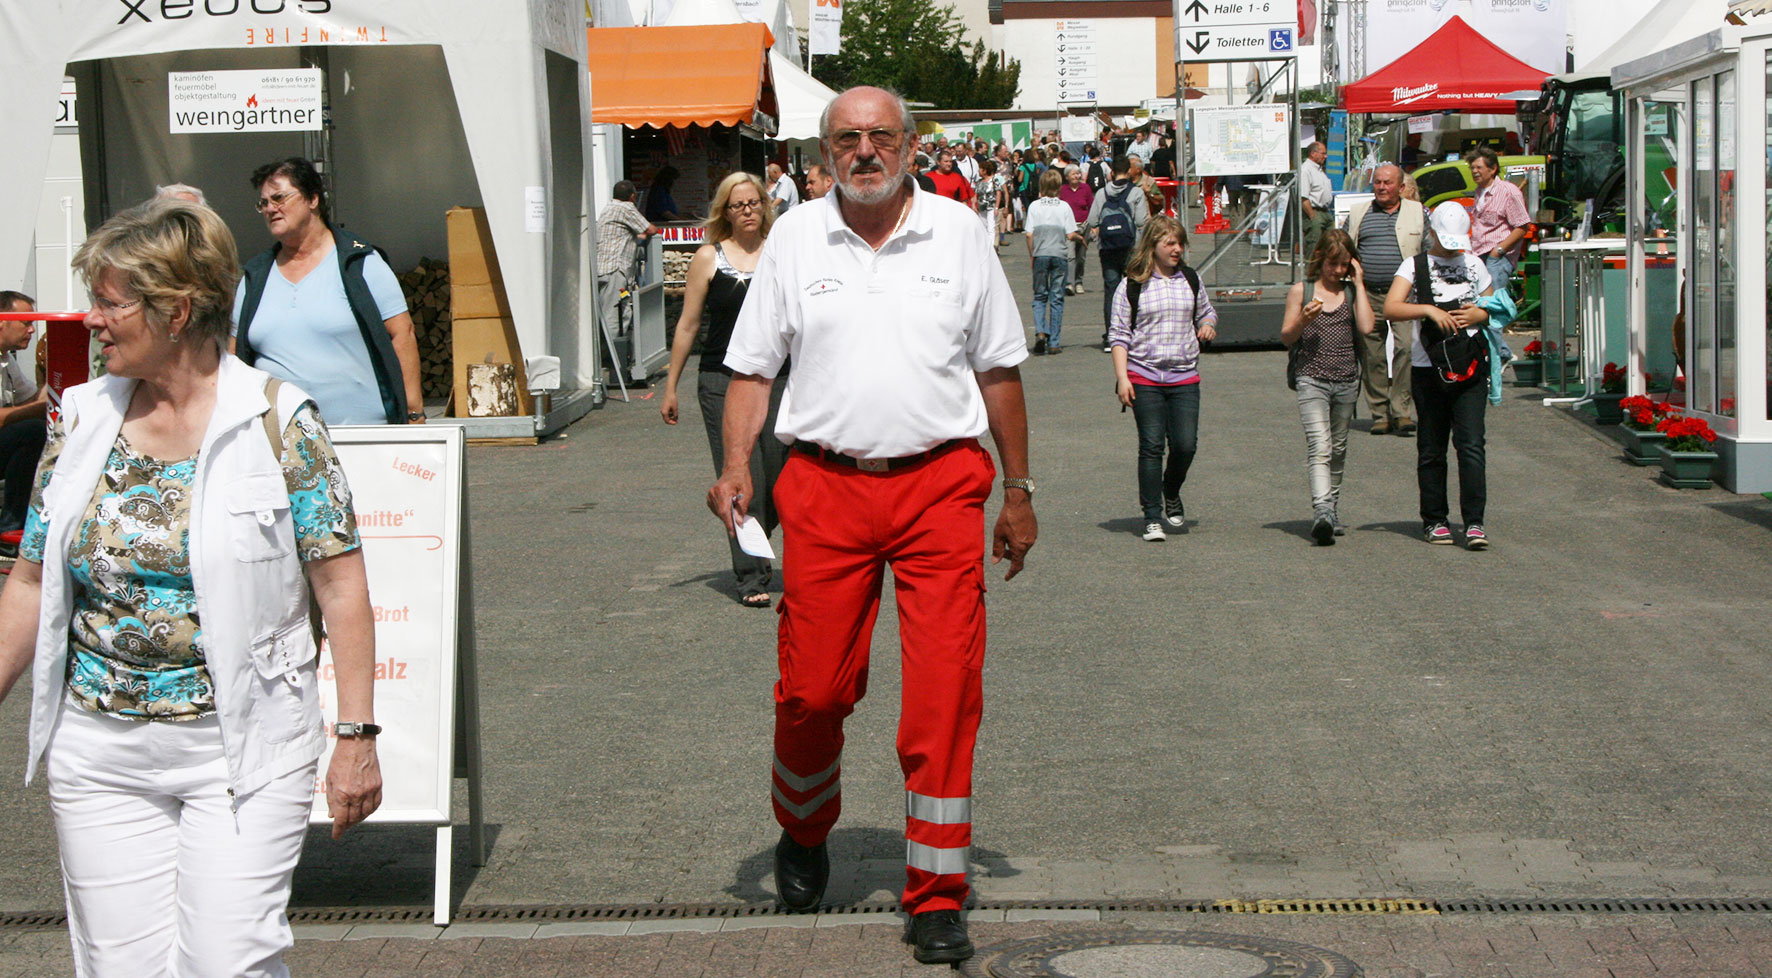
[{"x": 1279, "y": 39}]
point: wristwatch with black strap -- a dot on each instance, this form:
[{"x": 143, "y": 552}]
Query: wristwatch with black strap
[{"x": 350, "y": 730}]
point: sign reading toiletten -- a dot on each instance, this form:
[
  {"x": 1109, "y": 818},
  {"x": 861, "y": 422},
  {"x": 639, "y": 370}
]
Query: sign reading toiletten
[{"x": 285, "y": 100}]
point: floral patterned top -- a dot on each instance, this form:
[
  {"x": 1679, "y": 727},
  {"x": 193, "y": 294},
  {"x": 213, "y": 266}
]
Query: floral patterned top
[{"x": 135, "y": 641}]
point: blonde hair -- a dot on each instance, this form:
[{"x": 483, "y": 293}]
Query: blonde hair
[
  {"x": 718, "y": 225},
  {"x": 1050, "y": 181},
  {"x": 1143, "y": 262},
  {"x": 169, "y": 249}
]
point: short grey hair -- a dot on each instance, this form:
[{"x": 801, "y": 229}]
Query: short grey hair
[
  {"x": 907, "y": 121},
  {"x": 181, "y": 191}
]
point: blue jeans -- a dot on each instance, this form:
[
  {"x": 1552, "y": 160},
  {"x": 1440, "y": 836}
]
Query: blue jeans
[
  {"x": 1113, "y": 269},
  {"x": 1500, "y": 270},
  {"x": 1164, "y": 414},
  {"x": 1325, "y": 407},
  {"x": 1050, "y": 278}
]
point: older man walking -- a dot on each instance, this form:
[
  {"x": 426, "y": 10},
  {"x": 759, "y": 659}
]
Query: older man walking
[
  {"x": 1316, "y": 196},
  {"x": 905, "y": 341},
  {"x": 1386, "y": 232}
]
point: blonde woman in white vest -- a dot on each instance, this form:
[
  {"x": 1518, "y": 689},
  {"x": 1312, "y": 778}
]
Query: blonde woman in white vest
[{"x": 183, "y": 506}]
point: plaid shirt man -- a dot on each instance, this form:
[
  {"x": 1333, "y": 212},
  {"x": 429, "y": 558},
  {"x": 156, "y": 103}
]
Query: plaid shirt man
[{"x": 616, "y": 228}]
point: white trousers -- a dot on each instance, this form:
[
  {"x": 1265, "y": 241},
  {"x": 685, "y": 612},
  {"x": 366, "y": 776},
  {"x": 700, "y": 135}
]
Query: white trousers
[{"x": 162, "y": 878}]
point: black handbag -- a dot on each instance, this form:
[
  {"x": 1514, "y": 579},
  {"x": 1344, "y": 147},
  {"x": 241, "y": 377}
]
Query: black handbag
[{"x": 1459, "y": 357}]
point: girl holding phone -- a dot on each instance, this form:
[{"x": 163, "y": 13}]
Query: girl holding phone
[{"x": 1322, "y": 315}]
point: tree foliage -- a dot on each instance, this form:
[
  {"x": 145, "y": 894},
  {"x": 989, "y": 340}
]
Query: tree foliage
[{"x": 919, "y": 50}]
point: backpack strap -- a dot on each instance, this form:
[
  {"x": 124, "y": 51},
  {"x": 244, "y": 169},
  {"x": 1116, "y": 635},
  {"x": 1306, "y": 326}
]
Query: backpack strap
[
  {"x": 274, "y": 423},
  {"x": 1133, "y": 287},
  {"x": 1424, "y": 285},
  {"x": 1193, "y": 282}
]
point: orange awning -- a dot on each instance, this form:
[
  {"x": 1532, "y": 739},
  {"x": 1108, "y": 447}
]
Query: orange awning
[{"x": 717, "y": 74}]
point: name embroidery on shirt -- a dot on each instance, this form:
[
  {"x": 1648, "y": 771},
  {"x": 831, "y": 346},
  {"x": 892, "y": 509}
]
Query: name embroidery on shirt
[{"x": 823, "y": 286}]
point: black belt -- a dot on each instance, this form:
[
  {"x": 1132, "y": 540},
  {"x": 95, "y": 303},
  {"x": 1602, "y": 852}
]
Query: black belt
[{"x": 877, "y": 464}]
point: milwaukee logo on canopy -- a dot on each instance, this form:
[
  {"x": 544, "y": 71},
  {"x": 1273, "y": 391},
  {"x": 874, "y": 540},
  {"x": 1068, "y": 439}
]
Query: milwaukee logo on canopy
[{"x": 1455, "y": 70}]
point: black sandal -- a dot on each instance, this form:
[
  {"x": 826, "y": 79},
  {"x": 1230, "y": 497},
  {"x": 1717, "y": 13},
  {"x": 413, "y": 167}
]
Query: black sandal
[{"x": 755, "y": 599}]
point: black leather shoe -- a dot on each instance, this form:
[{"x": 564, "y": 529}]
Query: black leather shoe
[
  {"x": 801, "y": 873},
  {"x": 939, "y": 936}
]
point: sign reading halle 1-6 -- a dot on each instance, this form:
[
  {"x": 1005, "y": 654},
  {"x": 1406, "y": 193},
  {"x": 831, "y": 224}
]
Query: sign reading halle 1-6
[
  {"x": 1230, "y": 30},
  {"x": 288, "y": 100}
]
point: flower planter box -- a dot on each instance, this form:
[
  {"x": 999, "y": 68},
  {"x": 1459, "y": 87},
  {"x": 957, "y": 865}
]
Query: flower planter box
[
  {"x": 1528, "y": 372},
  {"x": 1639, "y": 446},
  {"x": 1686, "y": 470},
  {"x": 1606, "y": 408}
]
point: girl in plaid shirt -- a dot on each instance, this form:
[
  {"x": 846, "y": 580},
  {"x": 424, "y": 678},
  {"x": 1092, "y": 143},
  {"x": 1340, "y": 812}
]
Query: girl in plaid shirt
[{"x": 1156, "y": 362}]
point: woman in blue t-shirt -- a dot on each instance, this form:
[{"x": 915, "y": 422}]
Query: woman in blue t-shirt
[{"x": 295, "y": 316}]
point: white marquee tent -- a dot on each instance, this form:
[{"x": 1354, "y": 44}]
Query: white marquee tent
[
  {"x": 1667, "y": 24},
  {"x": 431, "y": 106}
]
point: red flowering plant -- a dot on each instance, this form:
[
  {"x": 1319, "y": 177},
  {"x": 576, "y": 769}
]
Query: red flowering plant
[
  {"x": 1534, "y": 350},
  {"x": 1686, "y": 434},
  {"x": 1641, "y": 414},
  {"x": 1612, "y": 379}
]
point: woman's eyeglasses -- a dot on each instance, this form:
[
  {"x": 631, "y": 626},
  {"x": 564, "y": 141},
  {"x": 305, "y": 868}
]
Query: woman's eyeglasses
[
  {"x": 111, "y": 310},
  {"x": 737, "y": 207},
  {"x": 274, "y": 200}
]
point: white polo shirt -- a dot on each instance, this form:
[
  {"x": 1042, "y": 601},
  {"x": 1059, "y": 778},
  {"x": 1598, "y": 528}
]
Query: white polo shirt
[{"x": 886, "y": 345}]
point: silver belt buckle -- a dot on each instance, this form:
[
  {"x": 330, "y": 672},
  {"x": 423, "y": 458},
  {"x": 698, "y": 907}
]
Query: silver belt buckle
[{"x": 871, "y": 464}]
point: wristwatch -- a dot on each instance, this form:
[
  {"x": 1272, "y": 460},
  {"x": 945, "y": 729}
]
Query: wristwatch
[
  {"x": 1025, "y": 485},
  {"x": 412, "y": 416},
  {"x": 342, "y": 729}
]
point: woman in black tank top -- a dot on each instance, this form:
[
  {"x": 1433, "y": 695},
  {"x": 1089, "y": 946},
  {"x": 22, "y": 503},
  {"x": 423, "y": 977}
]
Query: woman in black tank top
[
  {"x": 719, "y": 277},
  {"x": 1322, "y": 315}
]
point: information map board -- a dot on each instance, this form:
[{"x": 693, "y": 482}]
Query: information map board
[
  {"x": 409, "y": 493},
  {"x": 1238, "y": 140}
]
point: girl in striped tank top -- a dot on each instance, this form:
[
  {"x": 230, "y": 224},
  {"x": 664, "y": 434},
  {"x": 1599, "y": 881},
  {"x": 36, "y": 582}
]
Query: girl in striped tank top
[{"x": 1322, "y": 314}]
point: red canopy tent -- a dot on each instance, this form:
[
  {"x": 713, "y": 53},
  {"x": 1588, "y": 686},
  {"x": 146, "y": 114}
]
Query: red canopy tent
[{"x": 1455, "y": 70}]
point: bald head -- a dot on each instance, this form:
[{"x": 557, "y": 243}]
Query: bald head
[
  {"x": 1387, "y": 185},
  {"x": 865, "y": 100}
]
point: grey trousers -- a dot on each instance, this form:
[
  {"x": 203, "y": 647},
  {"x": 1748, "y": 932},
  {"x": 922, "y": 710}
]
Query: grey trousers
[
  {"x": 1387, "y": 394},
  {"x": 609, "y": 288},
  {"x": 754, "y": 574}
]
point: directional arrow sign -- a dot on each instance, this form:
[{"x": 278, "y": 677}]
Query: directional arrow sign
[
  {"x": 1232, "y": 43},
  {"x": 1229, "y": 13}
]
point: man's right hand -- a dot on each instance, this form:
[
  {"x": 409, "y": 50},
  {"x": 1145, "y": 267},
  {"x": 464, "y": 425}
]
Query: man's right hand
[{"x": 731, "y": 486}]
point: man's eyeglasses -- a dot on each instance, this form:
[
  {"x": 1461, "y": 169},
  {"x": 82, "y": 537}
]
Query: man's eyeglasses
[
  {"x": 111, "y": 310},
  {"x": 739, "y": 208},
  {"x": 851, "y": 138},
  {"x": 274, "y": 200}
]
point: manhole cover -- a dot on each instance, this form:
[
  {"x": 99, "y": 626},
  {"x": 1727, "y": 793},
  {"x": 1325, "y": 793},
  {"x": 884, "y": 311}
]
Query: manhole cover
[{"x": 1159, "y": 954}]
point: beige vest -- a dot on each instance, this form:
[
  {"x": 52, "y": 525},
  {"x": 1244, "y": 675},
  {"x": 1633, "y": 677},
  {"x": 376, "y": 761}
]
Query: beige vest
[{"x": 1411, "y": 224}]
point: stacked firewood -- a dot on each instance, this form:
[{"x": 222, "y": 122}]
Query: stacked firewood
[{"x": 427, "y": 299}]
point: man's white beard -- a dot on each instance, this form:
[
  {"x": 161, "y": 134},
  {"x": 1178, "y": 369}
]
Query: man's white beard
[{"x": 878, "y": 195}]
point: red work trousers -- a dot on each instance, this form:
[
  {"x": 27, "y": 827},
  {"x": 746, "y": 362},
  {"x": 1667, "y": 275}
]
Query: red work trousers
[{"x": 840, "y": 528}]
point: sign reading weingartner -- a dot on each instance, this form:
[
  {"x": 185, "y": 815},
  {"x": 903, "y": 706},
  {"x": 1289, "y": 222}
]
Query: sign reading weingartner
[{"x": 287, "y": 100}]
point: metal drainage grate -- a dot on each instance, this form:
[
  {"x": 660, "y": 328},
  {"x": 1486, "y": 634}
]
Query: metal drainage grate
[{"x": 33, "y": 920}]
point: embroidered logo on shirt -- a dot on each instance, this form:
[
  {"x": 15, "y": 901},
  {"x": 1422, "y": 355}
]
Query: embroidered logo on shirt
[{"x": 824, "y": 285}]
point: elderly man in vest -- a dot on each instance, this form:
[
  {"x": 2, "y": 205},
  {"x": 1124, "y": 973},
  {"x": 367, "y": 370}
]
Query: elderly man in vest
[{"x": 1386, "y": 232}]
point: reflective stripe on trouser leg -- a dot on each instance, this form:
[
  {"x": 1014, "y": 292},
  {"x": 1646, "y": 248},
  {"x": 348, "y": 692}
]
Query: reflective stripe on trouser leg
[
  {"x": 938, "y": 574},
  {"x": 831, "y": 578}
]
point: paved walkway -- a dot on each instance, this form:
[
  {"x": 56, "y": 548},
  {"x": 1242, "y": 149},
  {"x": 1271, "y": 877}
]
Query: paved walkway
[{"x": 1580, "y": 712}]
